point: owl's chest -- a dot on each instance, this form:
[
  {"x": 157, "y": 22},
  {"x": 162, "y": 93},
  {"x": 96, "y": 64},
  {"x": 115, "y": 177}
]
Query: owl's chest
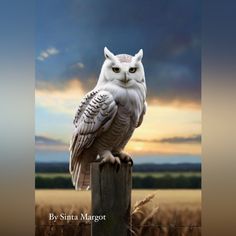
[
  {"x": 118, "y": 133},
  {"x": 124, "y": 118},
  {"x": 121, "y": 128},
  {"x": 122, "y": 124},
  {"x": 130, "y": 106}
]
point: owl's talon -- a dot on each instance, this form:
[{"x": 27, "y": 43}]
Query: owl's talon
[
  {"x": 109, "y": 158},
  {"x": 130, "y": 162},
  {"x": 117, "y": 167},
  {"x": 126, "y": 158},
  {"x": 117, "y": 164}
]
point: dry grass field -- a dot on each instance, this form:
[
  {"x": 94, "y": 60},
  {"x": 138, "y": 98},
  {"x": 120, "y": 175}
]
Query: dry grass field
[{"x": 160, "y": 212}]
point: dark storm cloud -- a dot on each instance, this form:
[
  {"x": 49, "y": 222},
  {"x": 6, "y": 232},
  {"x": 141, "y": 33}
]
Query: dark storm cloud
[
  {"x": 168, "y": 32},
  {"x": 173, "y": 140}
]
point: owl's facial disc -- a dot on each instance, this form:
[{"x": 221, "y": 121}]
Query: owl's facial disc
[
  {"x": 123, "y": 70},
  {"x": 124, "y": 74}
]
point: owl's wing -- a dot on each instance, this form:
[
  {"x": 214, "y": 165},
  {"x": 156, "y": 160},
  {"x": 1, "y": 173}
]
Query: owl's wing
[
  {"x": 142, "y": 115},
  {"x": 83, "y": 104},
  {"x": 93, "y": 117}
]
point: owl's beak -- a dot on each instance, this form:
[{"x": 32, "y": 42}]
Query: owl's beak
[{"x": 126, "y": 79}]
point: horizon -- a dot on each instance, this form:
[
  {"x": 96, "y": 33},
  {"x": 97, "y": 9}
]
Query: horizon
[{"x": 56, "y": 157}]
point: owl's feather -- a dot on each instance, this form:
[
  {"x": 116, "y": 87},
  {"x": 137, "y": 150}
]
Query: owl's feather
[
  {"x": 93, "y": 117},
  {"x": 142, "y": 115}
]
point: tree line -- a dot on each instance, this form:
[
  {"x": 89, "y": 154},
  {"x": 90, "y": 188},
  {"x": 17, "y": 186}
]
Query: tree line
[
  {"x": 43, "y": 167},
  {"x": 147, "y": 182}
]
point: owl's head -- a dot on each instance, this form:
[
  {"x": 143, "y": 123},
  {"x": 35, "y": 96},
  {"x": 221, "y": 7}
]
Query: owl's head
[{"x": 123, "y": 70}]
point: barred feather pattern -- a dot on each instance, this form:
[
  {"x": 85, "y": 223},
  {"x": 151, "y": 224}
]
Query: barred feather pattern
[{"x": 94, "y": 116}]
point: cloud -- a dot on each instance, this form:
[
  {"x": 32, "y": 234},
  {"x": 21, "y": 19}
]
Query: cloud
[
  {"x": 47, "y": 143},
  {"x": 179, "y": 140},
  {"x": 45, "y": 54},
  {"x": 194, "y": 139},
  {"x": 168, "y": 33},
  {"x": 79, "y": 65},
  {"x": 61, "y": 97},
  {"x": 42, "y": 140},
  {"x": 60, "y": 100}
]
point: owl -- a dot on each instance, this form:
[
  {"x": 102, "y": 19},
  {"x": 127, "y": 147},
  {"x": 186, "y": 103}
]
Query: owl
[{"x": 107, "y": 116}]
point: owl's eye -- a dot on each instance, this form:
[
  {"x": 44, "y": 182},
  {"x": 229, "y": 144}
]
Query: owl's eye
[
  {"x": 132, "y": 69},
  {"x": 116, "y": 69}
]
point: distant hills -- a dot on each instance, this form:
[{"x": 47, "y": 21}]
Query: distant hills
[{"x": 62, "y": 167}]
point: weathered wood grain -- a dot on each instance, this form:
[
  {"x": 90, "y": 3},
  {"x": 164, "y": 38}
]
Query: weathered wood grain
[{"x": 111, "y": 196}]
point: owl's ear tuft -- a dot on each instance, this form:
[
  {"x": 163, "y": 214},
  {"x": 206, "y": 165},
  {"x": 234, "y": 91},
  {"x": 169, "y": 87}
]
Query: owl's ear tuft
[
  {"x": 108, "y": 54},
  {"x": 139, "y": 55}
]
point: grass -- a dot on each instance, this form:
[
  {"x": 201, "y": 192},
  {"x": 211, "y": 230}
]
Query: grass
[
  {"x": 154, "y": 212},
  {"x": 65, "y": 197}
]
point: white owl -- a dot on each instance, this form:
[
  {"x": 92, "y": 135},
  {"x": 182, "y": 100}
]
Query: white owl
[{"x": 108, "y": 115}]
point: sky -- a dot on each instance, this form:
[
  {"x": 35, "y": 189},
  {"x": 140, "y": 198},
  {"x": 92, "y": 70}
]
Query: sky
[{"x": 70, "y": 37}]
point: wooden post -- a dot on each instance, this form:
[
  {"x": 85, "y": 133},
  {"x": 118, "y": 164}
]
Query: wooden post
[{"x": 111, "y": 196}]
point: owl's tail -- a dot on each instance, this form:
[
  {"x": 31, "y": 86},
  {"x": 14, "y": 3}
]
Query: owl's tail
[{"x": 81, "y": 176}]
